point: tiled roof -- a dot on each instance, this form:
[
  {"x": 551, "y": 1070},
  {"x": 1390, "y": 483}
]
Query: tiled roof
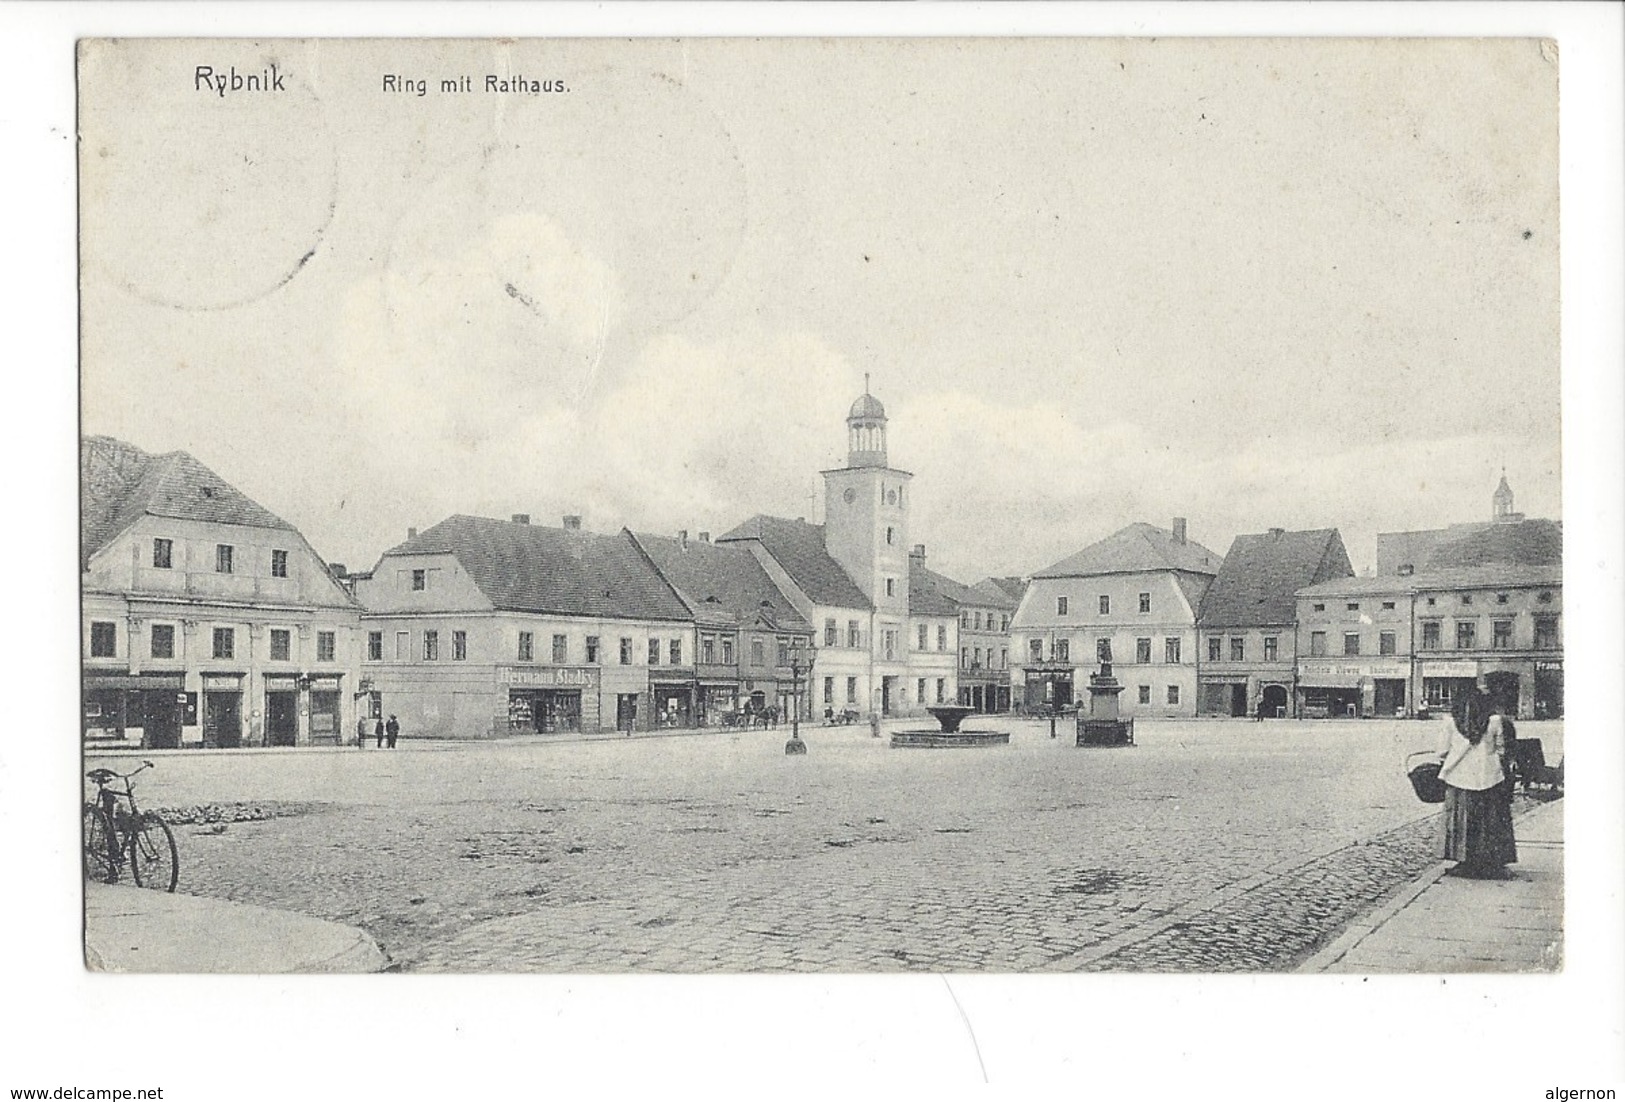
[
  {"x": 799, "y": 548},
  {"x": 722, "y": 585},
  {"x": 120, "y": 483},
  {"x": 1458, "y": 577},
  {"x": 1263, "y": 571},
  {"x": 531, "y": 568},
  {"x": 1534, "y": 542},
  {"x": 933, "y": 594},
  {"x": 1136, "y": 549},
  {"x": 1002, "y": 592}
]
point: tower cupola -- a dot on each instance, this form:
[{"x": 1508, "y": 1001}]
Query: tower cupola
[
  {"x": 1501, "y": 508},
  {"x": 866, "y": 431}
]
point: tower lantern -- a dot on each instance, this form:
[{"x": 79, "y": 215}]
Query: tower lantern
[{"x": 866, "y": 431}]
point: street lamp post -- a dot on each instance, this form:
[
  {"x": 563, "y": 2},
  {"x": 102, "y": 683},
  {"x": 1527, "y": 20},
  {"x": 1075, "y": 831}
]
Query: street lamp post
[{"x": 795, "y": 745}]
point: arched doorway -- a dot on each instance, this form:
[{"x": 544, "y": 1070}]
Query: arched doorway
[{"x": 1272, "y": 704}]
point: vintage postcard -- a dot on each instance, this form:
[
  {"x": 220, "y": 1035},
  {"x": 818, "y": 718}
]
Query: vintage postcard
[{"x": 821, "y": 505}]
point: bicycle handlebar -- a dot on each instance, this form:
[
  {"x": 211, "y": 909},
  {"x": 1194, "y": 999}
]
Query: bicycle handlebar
[{"x": 102, "y": 775}]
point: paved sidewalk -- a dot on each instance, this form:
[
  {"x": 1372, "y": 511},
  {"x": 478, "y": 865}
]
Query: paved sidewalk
[
  {"x": 1448, "y": 924},
  {"x": 131, "y": 929}
]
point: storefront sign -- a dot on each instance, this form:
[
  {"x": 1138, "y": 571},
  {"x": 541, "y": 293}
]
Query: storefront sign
[
  {"x": 1354, "y": 669},
  {"x": 1548, "y": 667},
  {"x": 1450, "y": 669},
  {"x": 550, "y": 677}
]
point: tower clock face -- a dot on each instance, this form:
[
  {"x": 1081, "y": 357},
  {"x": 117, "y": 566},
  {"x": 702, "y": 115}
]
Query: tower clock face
[{"x": 850, "y": 496}]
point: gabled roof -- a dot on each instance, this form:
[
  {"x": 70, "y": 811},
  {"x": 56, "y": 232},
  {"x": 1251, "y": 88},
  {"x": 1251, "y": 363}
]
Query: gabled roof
[
  {"x": 120, "y": 483},
  {"x": 1262, "y": 572},
  {"x": 531, "y": 568},
  {"x": 1139, "y": 548},
  {"x": 1001, "y": 592},
  {"x": 722, "y": 585},
  {"x": 933, "y": 594},
  {"x": 1534, "y": 542},
  {"x": 799, "y": 548}
]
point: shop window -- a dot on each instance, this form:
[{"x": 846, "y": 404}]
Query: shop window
[
  {"x": 626, "y": 651},
  {"x": 1173, "y": 694},
  {"x": 431, "y": 646},
  {"x": 1272, "y": 648},
  {"x": 1431, "y": 635},
  {"x": 103, "y": 639},
  {"x": 851, "y": 690},
  {"x": 1238, "y": 649},
  {"x": 1215, "y": 647},
  {"x": 654, "y": 652},
  {"x": 1103, "y": 650},
  {"x": 222, "y": 558},
  {"x": 1502, "y": 634},
  {"x": 1145, "y": 694},
  {"x": 1142, "y": 651},
  {"x": 829, "y": 690},
  {"x": 1317, "y": 644},
  {"x": 375, "y": 646},
  {"x": 592, "y": 650},
  {"x": 163, "y": 552},
  {"x": 1170, "y": 650},
  {"x": 1466, "y": 634},
  {"x": 459, "y": 646},
  {"x": 561, "y": 649},
  {"x": 942, "y": 636},
  {"x": 281, "y": 644},
  {"x": 279, "y": 564},
  {"x": 1105, "y": 605},
  {"x": 527, "y": 647},
  {"x": 1387, "y": 643},
  {"x": 225, "y": 642},
  {"x": 1351, "y": 643},
  {"x": 1546, "y": 636},
  {"x": 1060, "y": 606},
  {"x": 163, "y": 641}
]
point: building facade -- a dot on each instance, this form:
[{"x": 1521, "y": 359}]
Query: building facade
[
  {"x": 1247, "y": 661},
  {"x": 480, "y": 628},
  {"x": 207, "y": 620},
  {"x": 1130, "y": 600},
  {"x": 1354, "y": 646}
]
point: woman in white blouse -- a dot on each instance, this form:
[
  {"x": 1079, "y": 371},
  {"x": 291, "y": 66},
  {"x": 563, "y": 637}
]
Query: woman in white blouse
[{"x": 1478, "y": 790}]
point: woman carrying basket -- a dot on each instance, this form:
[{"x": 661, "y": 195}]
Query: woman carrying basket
[{"x": 1478, "y": 790}]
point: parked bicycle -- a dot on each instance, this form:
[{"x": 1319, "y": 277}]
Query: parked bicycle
[{"x": 117, "y": 836}]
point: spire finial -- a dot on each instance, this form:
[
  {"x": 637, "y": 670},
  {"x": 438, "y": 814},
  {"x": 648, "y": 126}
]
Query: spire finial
[{"x": 866, "y": 382}]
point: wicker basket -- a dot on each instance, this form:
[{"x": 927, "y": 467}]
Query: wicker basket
[{"x": 1423, "y": 770}]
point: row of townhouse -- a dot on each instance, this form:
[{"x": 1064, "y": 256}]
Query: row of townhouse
[
  {"x": 1281, "y": 626},
  {"x": 210, "y": 621}
]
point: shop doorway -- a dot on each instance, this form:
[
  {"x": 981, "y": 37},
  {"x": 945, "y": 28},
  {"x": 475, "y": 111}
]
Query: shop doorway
[
  {"x": 1272, "y": 705},
  {"x": 1502, "y": 687},
  {"x": 626, "y": 711},
  {"x": 1389, "y": 698},
  {"x": 885, "y": 695},
  {"x": 324, "y": 717},
  {"x": 281, "y": 718},
  {"x": 1238, "y": 700},
  {"x": 223, "y": 719}
]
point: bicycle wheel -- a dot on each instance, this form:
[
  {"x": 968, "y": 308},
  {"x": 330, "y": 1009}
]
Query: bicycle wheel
[
  {"x": 153, "y": 855},
  {"x": 100, "y": 863}
]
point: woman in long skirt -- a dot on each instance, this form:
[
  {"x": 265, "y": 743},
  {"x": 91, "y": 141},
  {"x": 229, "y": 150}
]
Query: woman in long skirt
[{"x": 1478, "y": 790}]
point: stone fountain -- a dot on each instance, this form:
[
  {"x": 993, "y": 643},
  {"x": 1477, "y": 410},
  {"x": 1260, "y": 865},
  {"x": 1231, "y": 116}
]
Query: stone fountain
[
  {"x": 1103, "y": 727},
  {"x": 948, "y": 717}
]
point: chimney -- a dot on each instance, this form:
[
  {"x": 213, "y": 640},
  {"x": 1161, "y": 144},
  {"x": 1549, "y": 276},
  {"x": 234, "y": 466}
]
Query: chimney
[
  {"x": 682, "y": 539},
  {"x": 1179, "y": 529},
  {"x": 801, "y": 520},
  {"x": 572, "y": 522},
  {"x": 918, "y": 554},
  {"x": 521, "y": 518},
  {"x": 1277, "y": 532},
  {"x": 411, "y": 533},
  {"x": 705, "y": 537}
]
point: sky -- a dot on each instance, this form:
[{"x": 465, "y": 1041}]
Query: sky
[{"x": 1253, "y": 283}]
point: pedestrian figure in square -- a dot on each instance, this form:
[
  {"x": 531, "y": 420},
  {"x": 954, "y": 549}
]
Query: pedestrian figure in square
[
  {"x": 1477, "y": 822},
  {"x": 392, "y": 730},
  {"x": 361, "y": 731},
  {"x": 378, "y": 730}
]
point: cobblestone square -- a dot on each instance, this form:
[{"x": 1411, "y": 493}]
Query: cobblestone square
[{"x": 1209, "y": 846}]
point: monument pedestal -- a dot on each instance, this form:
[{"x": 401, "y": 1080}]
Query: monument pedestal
[{"x": 1102, "y": 727}]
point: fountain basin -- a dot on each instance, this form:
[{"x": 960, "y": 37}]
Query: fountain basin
[{"x": 943, "y": 740}]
